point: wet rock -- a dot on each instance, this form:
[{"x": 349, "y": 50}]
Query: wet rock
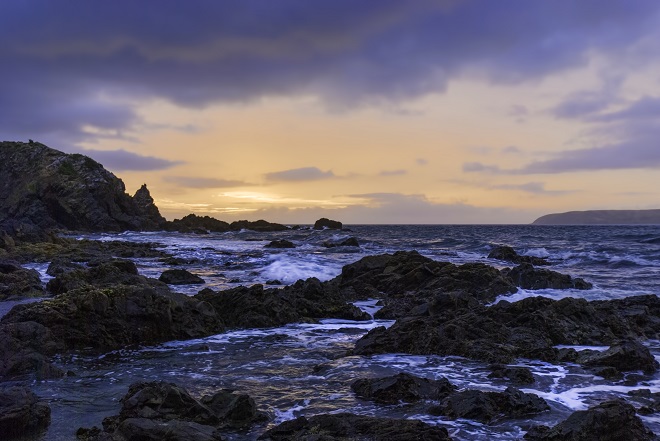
[
  {"x": 609, "y": 421},
  {"x": 6, "y": 241},
  {"x": 487, "y": 407},
  {"x": 517, "y": 375},
  {"x": 402, "y": 387},
  {"x": 260, "y": 225},
  {"x": 60, "y": 266},
  {"x": 325, "y": 223},
  {"x": 528, "y": 277},
  {"x": 17, "y": 282},
  {"x": 25, "y": 351},
  {"x": 234, "y": 410},
  {"x": 104, "y": 273},
  {"x": 256, "y": 307},
  {"x": 649, "y": 401},
  {"x": 22, "y": 413},
  {"x": 508, "y": 254},
  {"x": 160, "y": 410},
  {"x": 180, "y": 277},
  {"x": 408, "y": 272},
  {"x": 625, "y": 356},
  {"x": 346, "y": 426},
  {"x": 528, "y": 328},
  {"x": 192, "y": 223},
  {"x": 282, "y": 243},
  {"x": 118, "y": 316},
  {"x": 349, "y": 242}
]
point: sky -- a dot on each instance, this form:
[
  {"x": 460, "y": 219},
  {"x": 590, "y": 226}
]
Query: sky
[{"x": 371, "y": 111}]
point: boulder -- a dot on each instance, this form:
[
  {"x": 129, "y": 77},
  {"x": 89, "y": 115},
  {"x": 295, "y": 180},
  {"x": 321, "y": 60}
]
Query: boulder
[
  {"x": 347, "y": 426},
  {"x": 192, "y": 223},
  {"x": 22, "y": 413},
  {"x": 325, "y": 223},
  {"x": 17, "y": 282},
  {"x": 103, "y": 273},
  {"x": 528, "y": 277},
  {"x": 402, "y": 387},
  {"x": 624, "y": 356},
  {"x": 613, "y": 420},
  {"x": 160, "y": 410},
  {"x": 25, "y": 351},
  {"x": 487, "y": 407},
  {"x": 180, "y": 277},
  {"x": 515, "y": 374},
  {"x": 508, "y": 254},
  {"x": 281, "y": 243}
]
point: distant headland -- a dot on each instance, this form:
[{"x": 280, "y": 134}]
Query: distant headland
[{"x": 601, "y": 217}]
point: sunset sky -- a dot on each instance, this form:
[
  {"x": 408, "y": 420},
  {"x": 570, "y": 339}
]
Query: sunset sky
[{"x": 383, "y": 111}]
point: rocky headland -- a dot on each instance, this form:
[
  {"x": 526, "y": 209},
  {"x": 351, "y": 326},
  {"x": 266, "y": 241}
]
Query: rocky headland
[{"x": 601, "y": 217}]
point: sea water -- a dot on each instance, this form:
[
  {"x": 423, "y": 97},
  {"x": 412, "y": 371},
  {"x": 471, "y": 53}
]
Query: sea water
[{"x": 304, "y": 369}]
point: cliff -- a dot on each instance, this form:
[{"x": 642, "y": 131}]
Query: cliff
[
  {"x": 42, "y": 189},
  {"x": 601, "y": 217}
]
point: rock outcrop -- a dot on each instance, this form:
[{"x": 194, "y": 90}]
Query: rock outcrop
[
  {"x": 487, "y": 407},
  {"x": 347, "y": 426},
  {"x": 402, "y": 387},
  {"x": 508, "y": 254},
  {"x": 44, "y": 189},
  {"x": 17, "y": 282},
  {"x": 22, "y": 413},
  {"x": 325, "y": 223},
  {"x": 613, "y": 420},
  {"x": 159, "y": 411}
]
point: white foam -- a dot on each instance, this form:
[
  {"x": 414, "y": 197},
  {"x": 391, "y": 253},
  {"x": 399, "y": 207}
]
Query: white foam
[
  {"x": 289, "y": 269},
  {"x": 291, "y": 413},
  {"x": 537, "y": 252}
]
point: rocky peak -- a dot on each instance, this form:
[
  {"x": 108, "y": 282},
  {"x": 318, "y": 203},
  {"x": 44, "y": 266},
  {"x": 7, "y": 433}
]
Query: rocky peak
[{"x": 43, "y": 189}]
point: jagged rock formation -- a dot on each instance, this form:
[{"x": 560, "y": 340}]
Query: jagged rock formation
[
  {"x": 601, "y": 217},
  {"x": 43, "y": 189}
]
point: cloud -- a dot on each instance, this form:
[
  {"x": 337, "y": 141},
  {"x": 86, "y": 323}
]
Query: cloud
[
  {"x": 421, "y": 161},
  {"x": 398, "y": 172},
  {"x": 67, "y": 61},
  {"x": 300, "y": 174},
  {"x": 537, "y": 188},
  {"x": 644, "y": 108},
  {"x": 395, "y": 208},
  {"x": 472, "y": 167},
  {"x": 122, "y": 160},
  {"x": 583, "y": 104},
  {"x": 193, "y": 182}
]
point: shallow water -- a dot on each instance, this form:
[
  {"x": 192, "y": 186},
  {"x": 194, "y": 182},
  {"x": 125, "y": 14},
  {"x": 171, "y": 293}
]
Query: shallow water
[{"x": 304, "y": 369}]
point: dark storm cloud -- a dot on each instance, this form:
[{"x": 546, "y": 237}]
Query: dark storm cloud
[
  {"x": 122, "y": 160},
  {"x": 62, "y": 60},
  {"x": 300, "y": 174},
  {"x": 193, "y": 182}
]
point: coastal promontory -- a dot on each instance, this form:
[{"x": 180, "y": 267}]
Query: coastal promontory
[
  {"x": 601, "y": 217},
  {"x": 44, "y": 189}
]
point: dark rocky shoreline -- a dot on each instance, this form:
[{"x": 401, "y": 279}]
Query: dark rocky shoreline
[
  {"x": 98, "y": 302},
  {"x": 439, "y": 307}
]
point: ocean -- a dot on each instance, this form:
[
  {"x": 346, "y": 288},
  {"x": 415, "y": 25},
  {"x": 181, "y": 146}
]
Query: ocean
[{"x": 302, "y": 369}]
